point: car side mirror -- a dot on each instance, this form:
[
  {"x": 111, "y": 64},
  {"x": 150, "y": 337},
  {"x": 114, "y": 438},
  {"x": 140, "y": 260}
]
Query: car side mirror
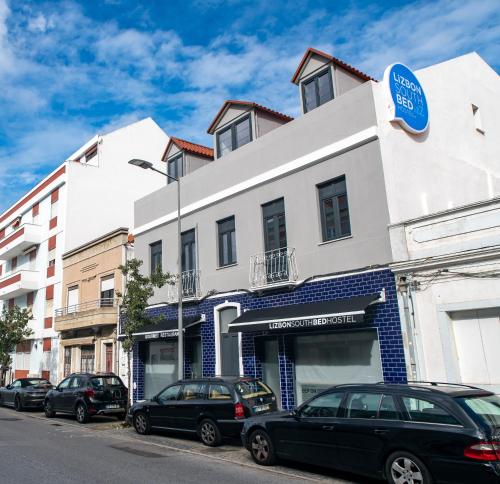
[
  {"x": 8, "y": 387},
  {"x": 59, "y": 389},
  {"x": 295, "y": 414}
]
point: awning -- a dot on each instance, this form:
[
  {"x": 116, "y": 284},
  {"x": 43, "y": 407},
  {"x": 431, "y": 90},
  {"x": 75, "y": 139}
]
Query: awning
[
  {"x": 309, "y": 316},
  {"x": 165, "y": 328}
]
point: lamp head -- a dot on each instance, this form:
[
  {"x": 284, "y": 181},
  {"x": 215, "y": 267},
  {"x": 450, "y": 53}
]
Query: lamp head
[{"x": 141, "y": 163}]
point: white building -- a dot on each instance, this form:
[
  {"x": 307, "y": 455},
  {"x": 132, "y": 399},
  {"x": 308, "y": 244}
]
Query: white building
[{"x": 88, "y": 195}]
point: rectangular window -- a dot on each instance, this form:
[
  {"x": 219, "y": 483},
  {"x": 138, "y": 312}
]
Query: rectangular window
[
  {"x": 91, "y": 153},
  {"x": 317, "y": 90},
  {"x": 155, "y": 256},
  {"x": 227, "y": 241},
  {"x": 234, "y": 136},
  {"x": 420, "y": 410},
  {"x": 334, "y": 209},
  {"x": 174, "y": 168},
  {"x": 188, "y": 243},
  {"x": 107, "y": 290}
]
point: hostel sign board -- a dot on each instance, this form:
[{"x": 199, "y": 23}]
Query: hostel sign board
[{"x": 409, "y": 105}]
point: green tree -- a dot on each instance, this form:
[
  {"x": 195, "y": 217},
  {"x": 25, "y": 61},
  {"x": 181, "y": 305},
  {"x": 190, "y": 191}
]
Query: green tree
[
  {"x": 134, "y": 301},
  {"x": 13, "y": 329}
]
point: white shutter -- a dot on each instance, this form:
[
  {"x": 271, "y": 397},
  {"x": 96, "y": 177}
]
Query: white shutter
[
  {"x": 108, "y": 283},
  {"x": 72, "y": 297}
]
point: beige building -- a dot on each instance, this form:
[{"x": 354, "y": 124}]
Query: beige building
[{"x": 88, "y": 321}]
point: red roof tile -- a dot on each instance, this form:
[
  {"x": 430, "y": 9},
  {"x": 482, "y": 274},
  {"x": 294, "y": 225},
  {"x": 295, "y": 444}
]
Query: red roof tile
[
  {"x": 189, "y": 147},
  {"x": 256, "y": 106},
  {"x": 330, "y": 58}
]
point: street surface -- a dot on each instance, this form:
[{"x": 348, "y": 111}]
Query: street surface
[{"x": 36, "y": 449}]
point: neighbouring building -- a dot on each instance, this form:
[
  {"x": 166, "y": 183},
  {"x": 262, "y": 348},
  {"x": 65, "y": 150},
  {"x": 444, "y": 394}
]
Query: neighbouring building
[
  {"x": 88, "y": 321},
  {"x": 88, "y": 195},
  {"x": 286, "y": 242}
]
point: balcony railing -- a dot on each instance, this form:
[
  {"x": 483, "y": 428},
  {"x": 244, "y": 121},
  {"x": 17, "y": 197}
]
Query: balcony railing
[
  {"x": 191, "y": 288},
  {"x": 86, "y": 306},
  {"x": 274, "y": 267},
  {"x": 18, "y": 241}
]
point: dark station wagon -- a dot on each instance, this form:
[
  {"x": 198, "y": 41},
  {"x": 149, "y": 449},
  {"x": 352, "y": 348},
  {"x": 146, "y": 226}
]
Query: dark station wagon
[
  {"x": 416, "y": 433},
  {"x": 212, "y": 408}
]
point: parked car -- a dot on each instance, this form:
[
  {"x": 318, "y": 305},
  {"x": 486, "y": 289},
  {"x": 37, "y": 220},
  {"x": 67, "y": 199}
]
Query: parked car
[
  {"x": 25, "y": 393},
  {"x": 212, "y": 408},
  {"x": 406, "y": 433},
  {"x": 86, "y": 395}
]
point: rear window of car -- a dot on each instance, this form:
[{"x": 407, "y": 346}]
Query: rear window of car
[
  {"x": 488, "y": 408},
  {"x": 252, "y": 389},
  {"x": 105, "y": 381},
  {"x": 421, "y": 410},
  {"x": 219, "y": 392},
  {"x": 31, "y": 383}
]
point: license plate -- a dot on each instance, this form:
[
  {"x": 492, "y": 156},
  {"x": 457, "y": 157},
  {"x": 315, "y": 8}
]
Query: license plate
[
  {"x": 261, "y": 408},
  {"x": 113, "y": 405}
]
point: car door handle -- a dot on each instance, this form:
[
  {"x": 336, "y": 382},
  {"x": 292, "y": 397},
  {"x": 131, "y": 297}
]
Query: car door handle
[
  {"x": 381, "y": 431},
  {"x": 328, "y": 427}
]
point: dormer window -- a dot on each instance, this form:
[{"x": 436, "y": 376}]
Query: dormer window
[
  {"x": 174, "y": 168},
  {"x": 234, "y": 136},
  {"x": 317, "y": 90}
]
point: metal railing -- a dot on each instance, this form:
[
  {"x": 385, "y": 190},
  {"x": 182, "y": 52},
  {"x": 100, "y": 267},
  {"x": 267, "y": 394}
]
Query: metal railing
[
  {"x": 107, "y": 302},
  {"x": 191, "y": 287},
  {"x": 273, "y": 267}
]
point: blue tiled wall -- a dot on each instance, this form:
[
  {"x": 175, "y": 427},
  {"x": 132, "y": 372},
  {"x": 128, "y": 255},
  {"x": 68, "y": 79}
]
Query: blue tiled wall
[{"x": 384, "y": 317}]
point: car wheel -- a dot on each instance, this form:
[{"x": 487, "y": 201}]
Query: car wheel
[
  {"x": 405, "y": 468},
  {"x": 209, "y": 433},
  {"x": 48, "y": 409},
  {"x": 262, "y": 448},
  {"x": 141, "y": 423},
  {"x": 82, "y": 415},
  {"x": 17, "y": 404}
]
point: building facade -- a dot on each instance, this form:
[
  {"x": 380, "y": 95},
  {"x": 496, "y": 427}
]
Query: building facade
[
  {"x": 88, "y": 195},
  {"x": 286, "y": 247},
  {"x": 88, "y": 321}
]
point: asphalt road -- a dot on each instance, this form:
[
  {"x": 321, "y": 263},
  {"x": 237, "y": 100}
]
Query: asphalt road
[{"x": 36, "y": 449}]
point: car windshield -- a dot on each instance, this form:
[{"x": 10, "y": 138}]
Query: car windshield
[
  {"x": 488, "y": 408},
  {"x": 34, "y": 382},
  {"x": 105, "y": 381},
  {"x": 252, "y": 389}
]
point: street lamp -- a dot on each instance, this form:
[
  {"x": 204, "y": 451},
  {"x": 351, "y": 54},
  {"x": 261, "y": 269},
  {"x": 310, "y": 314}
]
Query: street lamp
[{"x": 147, "y": 165}]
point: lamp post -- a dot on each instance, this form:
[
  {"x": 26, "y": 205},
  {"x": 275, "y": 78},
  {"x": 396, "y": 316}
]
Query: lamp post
[{"x": 147, "y": 165}]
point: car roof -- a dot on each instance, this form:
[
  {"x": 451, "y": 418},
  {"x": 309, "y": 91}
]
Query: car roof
[
  {"x": 420, "y": 388},
  {"x": 218, "y": 379},
  {"x": 92, "y": 375}
]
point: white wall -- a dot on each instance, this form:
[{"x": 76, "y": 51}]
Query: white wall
[
  {"x": 100, "y": 198},
  {"x": 452, "y": 164}
]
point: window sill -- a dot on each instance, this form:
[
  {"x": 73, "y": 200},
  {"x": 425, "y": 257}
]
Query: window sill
[
  {"x": 226, "y": 267},
  {"x": 335, "y": 240}
]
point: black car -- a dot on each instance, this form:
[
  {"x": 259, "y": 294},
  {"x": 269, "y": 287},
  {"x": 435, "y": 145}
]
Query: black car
[
  {"x": 212, "y": 408},
  {"x": 88, "y": 394},
  {"x": 25, "y": 393},
  {"x": 406, "y": 433}
]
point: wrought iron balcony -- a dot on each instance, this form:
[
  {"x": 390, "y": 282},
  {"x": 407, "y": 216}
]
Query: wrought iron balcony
[
  {"x": 273, "y": 268},
  {"x": 90, "y": 314},
  {"x": 86, "y": 306},
  {"x": 191, "y": 287},
  {"x": 18, "y": 241},
  {"x": 18, "y": 283}
]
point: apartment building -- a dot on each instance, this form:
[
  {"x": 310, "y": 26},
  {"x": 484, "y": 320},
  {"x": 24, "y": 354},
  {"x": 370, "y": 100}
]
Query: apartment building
[
  {"x": 89, "y": 194},
  {"x": 286, "y": 247},
  {"x": 88, "y": 322}
]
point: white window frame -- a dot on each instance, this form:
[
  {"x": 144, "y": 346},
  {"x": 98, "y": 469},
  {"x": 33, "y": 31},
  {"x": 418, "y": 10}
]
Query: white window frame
[{"x": 218, "y": 361}]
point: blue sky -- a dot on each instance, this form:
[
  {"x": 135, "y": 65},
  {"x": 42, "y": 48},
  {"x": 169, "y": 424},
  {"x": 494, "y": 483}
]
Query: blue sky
[{"x": 69, "y": 69}]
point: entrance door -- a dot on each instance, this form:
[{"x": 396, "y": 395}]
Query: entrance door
[
  {"x": 160, "y": 366},
  {"x": 324, "y": 360},
  {"x": 67, "y": 361},
  {"x": 87, "y": 359},
  {"x": 269, "y": 360},
  {"x": 275, "y": 241},
  {"x": 109, "y": 357},
  {"x": 229, "y": 351},
  {"x": 477, "y": 334}
]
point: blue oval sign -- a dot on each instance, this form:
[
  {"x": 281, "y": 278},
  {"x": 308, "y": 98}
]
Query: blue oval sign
[{"x": 410, "y": 104}]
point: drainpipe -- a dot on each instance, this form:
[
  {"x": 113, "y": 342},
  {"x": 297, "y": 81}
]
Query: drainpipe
[{"x": 404, "y": 289}]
